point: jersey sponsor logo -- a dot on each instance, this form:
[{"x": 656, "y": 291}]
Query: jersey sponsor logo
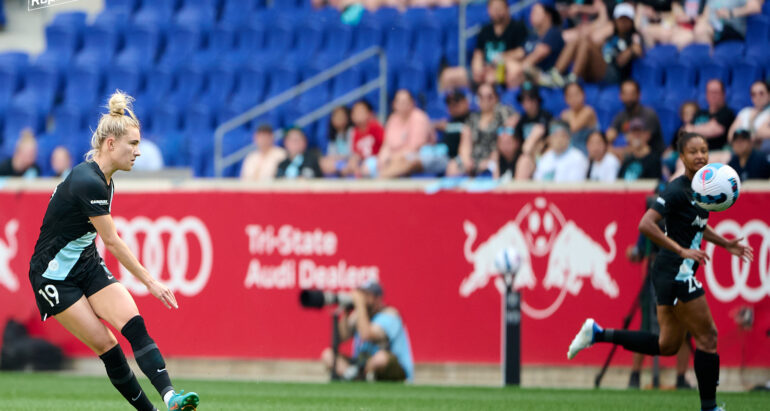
[
  {"x": 100, "y": 202},
  {"x": 540, "y": 230},
  {"x": 741, "y": 282},
  {"x": 8, "y": 249},
  {"x": 165, "y": 252},
  {"x": 700, "y": 222}
]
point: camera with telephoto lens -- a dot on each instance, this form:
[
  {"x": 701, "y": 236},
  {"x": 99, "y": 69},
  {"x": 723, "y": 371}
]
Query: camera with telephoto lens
[{"x": 320, "y": 299}]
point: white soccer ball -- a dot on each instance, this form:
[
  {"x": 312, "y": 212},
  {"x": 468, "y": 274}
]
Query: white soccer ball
[
  {"x": 716, "y": 187},
  {"x": 508, "y": 261}
]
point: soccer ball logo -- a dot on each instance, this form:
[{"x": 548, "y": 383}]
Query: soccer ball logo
[
  {"x": 543, "y": 223},
  {"x": 716, "y": 187}
]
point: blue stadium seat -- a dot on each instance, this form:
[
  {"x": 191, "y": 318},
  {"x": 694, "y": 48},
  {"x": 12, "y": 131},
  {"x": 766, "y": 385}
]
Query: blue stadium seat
[
  {"x": 368, "y": 34},
  {"x": 280, "y": 39},
  {"x": 201, "y": 14},
  {"x": 19, "y": 117},
  {"x": 477, "y": 14},
  {"x": 695, "y": 54},
  {"x": 648, "y": 73},
  {"x": 220, "y": 84},
  {"x": 156, "y": 12},
  {"x": 61, "y": 45},
  {"x": 662, "y": 55},
  {"x": 758, "y": 55},
  {"x": 398, "y": 43},
  {"x": 553, "y": 100},
  {"x": 69, "y": 131},
  {"x": 125, "y": 78},
  {"x": 348, "y": 81},
  {"x": 669, "y": 123},
  {"x": 41, "y": 87},
  {"x": 674, "y": 98},
  {"x": 738, "y": 101},
  {"x": 309, "y": 40},
  {"x": 83, "y": 86},
  {"x": 199, "y": 127},
  {"x": 679, "y": 75},
  {"x": 609, "y": 99},
  {"x": 339, "y": 40},
  {"x": 386, "y": 16},
  {"x": 427, "y": 49},
  {"x": 437, "y": 109},
  {"x": 652, "y": 96},
  {"x": 190, "y": 80},
  {"x": 141, "y": 47},
  {"x": 75, "y": 20},
  {"x": 757, "y": 30},
  {"x": 182, "y": 43},
  {"x": 121, "y": 6},
  {"x": 236, "y": 12},
  {"x": 166, "y": 134},
  {"x": 605, "y": 116},
  {"x": 251, "y": 85},
  {"x": 99, "y": 46},
  {"x": 729, "y": 51},
  {"x": 250, "y": 38},
  {"x": 159, "y": 82},
  {"x": 412, "y": 76},
  {"x": 282, "y": 77},
  {"x": 713, "y": 70},
  {"x": 743, "y": 75},
  {"x": 222, "y": 39}
]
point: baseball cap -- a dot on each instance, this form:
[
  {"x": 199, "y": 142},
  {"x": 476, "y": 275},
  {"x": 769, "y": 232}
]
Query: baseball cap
[
  {"x": 637, "y": 124},
  {"x": 742, "y": 134},
  {"x": 371, "y": 286},
  {"x": 623, "y": 10}
]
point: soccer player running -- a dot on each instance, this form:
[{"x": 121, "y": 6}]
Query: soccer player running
[
  {"x": 70, "y": 280},
  {"x": 681, "y": 301}
]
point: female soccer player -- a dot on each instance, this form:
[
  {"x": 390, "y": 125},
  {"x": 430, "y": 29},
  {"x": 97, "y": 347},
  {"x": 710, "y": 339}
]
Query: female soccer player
[
  {"x": 681, "y": 301},
  {"x": 69, "y": 278}
]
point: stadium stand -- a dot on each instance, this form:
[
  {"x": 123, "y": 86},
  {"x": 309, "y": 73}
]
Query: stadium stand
[{"x": 217, "y": 58}]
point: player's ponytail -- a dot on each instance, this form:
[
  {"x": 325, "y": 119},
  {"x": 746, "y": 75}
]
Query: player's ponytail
[{"x": 114, "y": 123}]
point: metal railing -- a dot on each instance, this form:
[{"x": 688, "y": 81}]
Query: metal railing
[
  {"x": 468, "y": 32},
  {"x": 381, "y": 82}
]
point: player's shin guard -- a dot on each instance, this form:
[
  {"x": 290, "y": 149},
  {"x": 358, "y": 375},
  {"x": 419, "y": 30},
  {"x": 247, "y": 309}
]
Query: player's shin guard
[
  {"x": 124, "y": 379},
  {"x": 147, "y": 355},
  {"x": 707, "y": 372},
  {"x": 636, "y": 341}
]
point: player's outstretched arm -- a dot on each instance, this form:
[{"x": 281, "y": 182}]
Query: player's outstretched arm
[
  {"x": 734, "y": 246},
  {"x": 115, "y": 245}
]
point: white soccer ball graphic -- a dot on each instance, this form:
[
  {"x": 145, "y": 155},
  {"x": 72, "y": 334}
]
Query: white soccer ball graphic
[
  {"x": 508, "y": 261},
  {"x": 716, "y": 187}
]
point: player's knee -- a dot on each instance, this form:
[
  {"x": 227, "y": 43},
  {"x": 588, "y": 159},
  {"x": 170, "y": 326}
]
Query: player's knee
[
  {"x": 378, "y": 361},
  {"x": 102, "y": 344},
  {"x": 669, "y": 346},
  {"x": 136, "y": 333},
  {"x": 707, "y": 341}
]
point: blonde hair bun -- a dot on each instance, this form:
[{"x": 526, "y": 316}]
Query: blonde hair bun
[{"x": 119, "y": 103}]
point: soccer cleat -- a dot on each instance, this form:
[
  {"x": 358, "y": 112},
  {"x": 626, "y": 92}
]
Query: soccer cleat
[
  {"x": 584, "y": 338},
  {"x": 183, "y": 402}
]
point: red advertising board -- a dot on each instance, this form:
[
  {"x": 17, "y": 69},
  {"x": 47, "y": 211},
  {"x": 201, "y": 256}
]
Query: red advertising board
[{"x": 238, "y": 259}]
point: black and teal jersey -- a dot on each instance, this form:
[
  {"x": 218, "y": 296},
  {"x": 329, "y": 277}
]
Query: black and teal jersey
[
  {"x": 684, "y": 223},
  {"x": 66, "y": 246}
]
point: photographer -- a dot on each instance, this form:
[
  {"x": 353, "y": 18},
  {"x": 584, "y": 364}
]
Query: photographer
[{"x": 381, "y": 348}]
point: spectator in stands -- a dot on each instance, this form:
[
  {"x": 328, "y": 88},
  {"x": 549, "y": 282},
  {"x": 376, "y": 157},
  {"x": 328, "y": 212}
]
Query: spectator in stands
[
  {"x": 300, "y": 162},
  {"x": 724, "y": 20},
  {"x": 687, "y": 112},
  {"x": 151, "y": 158},
  {"x": 588, "y": 19},
  {"x": 641, "y": 161},
  {"x": 542, "y": 48},
  {"x": 713, "y": 122},
  {"x": 23, "y": 162},
  {"x": 603, "y": 166},
  {"x": 459, "y": 111},
  {"x": 509, "y": 151},
  {"x": 368, "y": 135},
  {"x": 531, "y": 130},
  {"x": 406, "y": 131},
  {"x": 561, "y": 163},
  {"x": 500, "y": 41},
  {"x": 477, "y": 153},
  {"x": 749, "y": 163},
  {"x": 61, "y": 162},
  {"x": 674, "y": 27},
  {"x": 608, "y": 63},
  {"x": 756, "y": 119},
  {"x": 629, "y": 95},
  {"x": 262, "y": 164},
  {"x": 581, "y": 118},
  {"x": 339, "y": 140}
]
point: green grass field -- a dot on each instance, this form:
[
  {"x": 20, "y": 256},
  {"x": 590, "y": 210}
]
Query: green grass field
[{"x": 39, "y": 392}]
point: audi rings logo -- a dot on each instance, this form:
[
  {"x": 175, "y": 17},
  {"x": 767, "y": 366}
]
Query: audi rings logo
[
  {"x": 740, "y": 270},
  {"x": 165, "y": 245}
]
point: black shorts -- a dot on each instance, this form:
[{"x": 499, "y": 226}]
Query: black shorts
[
  {"x": 55, "y": 296},
  {"x": 669, "y": 290},
  {"x": 393, "y": 371}
]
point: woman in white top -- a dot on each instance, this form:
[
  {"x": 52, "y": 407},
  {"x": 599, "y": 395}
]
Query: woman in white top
[
  {"x": 603, "y": 165},
  {"x": 756, "y": 118},
  {"x": 262, "y": 164},
  {"x": 561, "y": 163}
]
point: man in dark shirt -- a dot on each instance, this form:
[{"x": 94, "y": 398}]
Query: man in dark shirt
[
  {"x": 496, "y": 43},
  {"x": 459, "y": 110},
  {"x": 641, "y": 161},
  {"x": 533, "y": 115},
  {"x": 747, "y": 162},
  {"x": 301, "y": 162},
  {"x": 713, "y": 123},
  {"x": 629, "y": 95}
]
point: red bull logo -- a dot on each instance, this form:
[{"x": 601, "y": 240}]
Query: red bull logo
[
  {"x": 540, "y": 230},
  {"x": 8, "y": 249}
]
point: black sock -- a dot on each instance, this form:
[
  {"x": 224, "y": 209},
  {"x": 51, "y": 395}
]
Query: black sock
[
  {"x": 707, "y": 373},
  {"x": 124, "y": 379},
  {"x": 147, "y": 355},
  {"x": 636, "y": 341}
]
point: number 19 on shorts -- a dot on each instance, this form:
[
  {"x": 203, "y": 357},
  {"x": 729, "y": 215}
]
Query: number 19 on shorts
[{"x": 50, "y": 294}]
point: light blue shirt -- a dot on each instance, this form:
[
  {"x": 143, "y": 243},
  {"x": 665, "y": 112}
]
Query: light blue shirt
[{"x": 398, "y": 338}]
